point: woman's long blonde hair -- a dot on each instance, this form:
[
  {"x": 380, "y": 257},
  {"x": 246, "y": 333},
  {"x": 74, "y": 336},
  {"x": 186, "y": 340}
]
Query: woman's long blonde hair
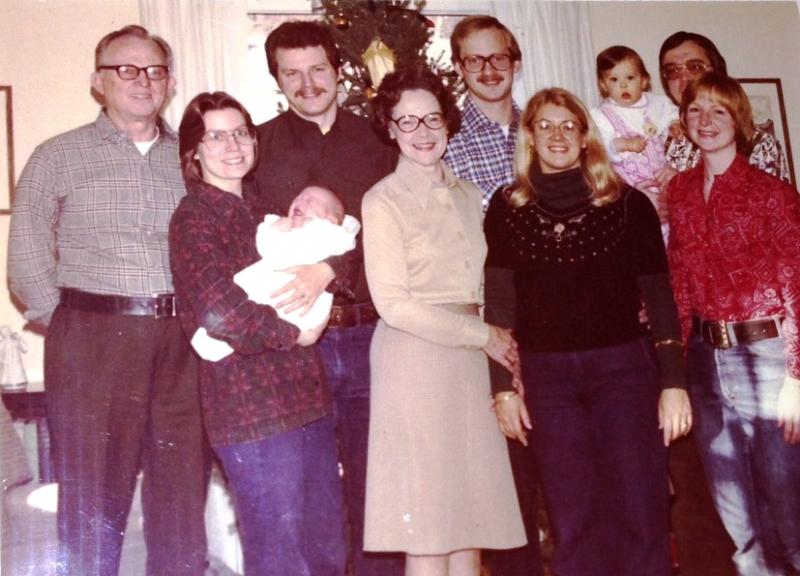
[{"x": 595, "y": 166}]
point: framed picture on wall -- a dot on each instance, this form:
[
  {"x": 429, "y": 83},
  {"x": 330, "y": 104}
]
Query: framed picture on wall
[
  {"x": 6, "y": 151},
  {"x": 769, "y": 112}
]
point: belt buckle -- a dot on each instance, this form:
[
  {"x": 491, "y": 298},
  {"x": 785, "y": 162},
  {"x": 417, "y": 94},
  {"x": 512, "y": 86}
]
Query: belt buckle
[
  {"x": 718, "y": 334},
  {"x": 165, "y": 307}
]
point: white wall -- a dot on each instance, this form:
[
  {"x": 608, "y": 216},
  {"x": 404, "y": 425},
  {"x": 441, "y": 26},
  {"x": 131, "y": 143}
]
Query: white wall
[{"x": 47, "y": 56}]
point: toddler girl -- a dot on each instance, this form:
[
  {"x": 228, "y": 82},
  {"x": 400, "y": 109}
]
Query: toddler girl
[{"x": 633, "y": 122}]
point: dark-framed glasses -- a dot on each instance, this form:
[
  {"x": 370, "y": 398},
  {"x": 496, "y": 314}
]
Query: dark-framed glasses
[
  {"x": 567, "y": 128},
  {"x": 409, "y": 122},
  {"x": 476, "y": 63},
  {"x": 131, "y": 72},
  {"x": 218, "y": 139},
  {"x": 693, "y": 67}
]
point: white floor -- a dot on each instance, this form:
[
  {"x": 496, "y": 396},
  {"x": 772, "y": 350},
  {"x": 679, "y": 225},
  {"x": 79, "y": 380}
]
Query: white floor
[{"x": 29, "y": 539}]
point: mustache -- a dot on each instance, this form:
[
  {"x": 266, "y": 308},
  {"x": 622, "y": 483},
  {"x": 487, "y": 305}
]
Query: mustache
[
  {"x": 490, "y": 78},
  {"x": 314, "y": 91}
]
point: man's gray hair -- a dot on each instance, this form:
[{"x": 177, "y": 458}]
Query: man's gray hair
[{"x": 137, "y": 32}]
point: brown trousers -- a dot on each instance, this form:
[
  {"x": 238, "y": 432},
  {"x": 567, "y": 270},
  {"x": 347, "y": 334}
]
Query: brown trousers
[{"x": 122, "y": 397}]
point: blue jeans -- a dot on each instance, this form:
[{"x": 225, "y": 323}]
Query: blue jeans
[
  {"x": 601, "y": 458},
  {"x": 753, "y": 475},
  {"x": 345, "y": 355},
  {"x": 288, "y": 499}
]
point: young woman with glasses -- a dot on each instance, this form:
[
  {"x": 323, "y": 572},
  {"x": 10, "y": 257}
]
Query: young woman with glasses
[
  {"x": 439, "y": 483},
  {"x": 573, "y": 252},
  {"x": 266, "y": 406}
]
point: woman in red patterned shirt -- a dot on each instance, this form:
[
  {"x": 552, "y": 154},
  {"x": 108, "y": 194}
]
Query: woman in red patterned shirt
[{"x": 735, "y": 262}]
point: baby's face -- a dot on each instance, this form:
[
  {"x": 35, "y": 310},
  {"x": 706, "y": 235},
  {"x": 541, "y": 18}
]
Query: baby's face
[
  {"x": 625, "y": 83},
  {"x": 312, "y": 203}
]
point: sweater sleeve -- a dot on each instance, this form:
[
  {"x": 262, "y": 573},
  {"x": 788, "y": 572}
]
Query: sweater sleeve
[
  {"x": 500, "y": 292},
  {"x": 654, "y": 287}
]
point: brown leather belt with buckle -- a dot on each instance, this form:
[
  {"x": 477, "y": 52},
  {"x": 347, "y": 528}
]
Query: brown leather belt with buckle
[
  {"x": 353, "y": 315},
  {"x": 161, "y": 306},
  {"x": 721, "y": 334}
]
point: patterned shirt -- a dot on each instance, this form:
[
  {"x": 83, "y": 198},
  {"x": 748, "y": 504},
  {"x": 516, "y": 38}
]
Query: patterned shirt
[
  {"x": 91, "y": 212},
  {"x": 481, "y": 153},
  {"x": 736, "y": 256},
  {"x": 268, "y": 385},
  {"x": 766, "y": 155}
]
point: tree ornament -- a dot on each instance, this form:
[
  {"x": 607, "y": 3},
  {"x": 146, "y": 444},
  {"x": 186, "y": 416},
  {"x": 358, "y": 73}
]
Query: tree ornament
[
  {"x": 341, "y": 22},
  {"x": 375, "y": 37},
  {"x": 379, "y": 60}
]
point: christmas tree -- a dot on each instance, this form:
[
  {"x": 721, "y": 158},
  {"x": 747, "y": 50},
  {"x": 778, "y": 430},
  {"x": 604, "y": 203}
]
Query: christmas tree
[{"x": 375, "y": 37}]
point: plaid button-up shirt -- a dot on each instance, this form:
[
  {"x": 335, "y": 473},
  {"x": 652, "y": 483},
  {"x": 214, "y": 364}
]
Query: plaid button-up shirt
[
  {"x": 269, "y": 384},
  {"x": 481, "y": 153},
  {"x": 91, "y": 212}
]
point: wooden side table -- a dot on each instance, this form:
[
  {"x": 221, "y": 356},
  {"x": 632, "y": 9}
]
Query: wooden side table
[{"x": 27, "y": 407}]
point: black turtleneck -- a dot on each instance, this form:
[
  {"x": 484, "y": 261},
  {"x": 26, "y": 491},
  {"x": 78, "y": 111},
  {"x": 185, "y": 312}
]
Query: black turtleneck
[
  {"x": 568, "y": 275},
  {"x": 562, "y": 191}
]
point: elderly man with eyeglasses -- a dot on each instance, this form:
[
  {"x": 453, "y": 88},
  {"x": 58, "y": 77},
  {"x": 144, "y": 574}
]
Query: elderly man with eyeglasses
[{"x": 88, "y": 258}]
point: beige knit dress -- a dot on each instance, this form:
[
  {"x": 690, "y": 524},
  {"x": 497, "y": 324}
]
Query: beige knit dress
[{"x": 438, "y": 474}]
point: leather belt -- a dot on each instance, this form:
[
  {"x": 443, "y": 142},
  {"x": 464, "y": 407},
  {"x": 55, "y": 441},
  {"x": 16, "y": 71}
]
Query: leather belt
[
  {"x": 722, "y": 334},
  {"x": 353, "y": 315},
  {"x": 161, "y": 306}
]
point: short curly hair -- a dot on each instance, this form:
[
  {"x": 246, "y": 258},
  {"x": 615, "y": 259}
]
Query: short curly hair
[{"x": 414, "y": 76}]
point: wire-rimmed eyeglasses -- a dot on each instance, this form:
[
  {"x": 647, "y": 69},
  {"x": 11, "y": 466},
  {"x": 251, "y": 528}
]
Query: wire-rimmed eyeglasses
[
  {"x": 693, "y": 67},
  {"x": 566, "y": 128},
  {"x": 131, "y": 72},
  {"x": 475, "y": 63},
  {"x": 409, "y": 122},
  {"x": 218, "y": 139}
]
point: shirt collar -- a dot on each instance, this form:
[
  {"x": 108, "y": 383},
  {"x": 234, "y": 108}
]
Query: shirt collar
[
  {"x": 219, "y": 201},
  {"x": 109, "y": 131},
  {"x": 735, "y": 171},
  {"x": 342, "y": 123},
  {"x": 417, "y": 181},
  {"x": 473, "y": 118}
]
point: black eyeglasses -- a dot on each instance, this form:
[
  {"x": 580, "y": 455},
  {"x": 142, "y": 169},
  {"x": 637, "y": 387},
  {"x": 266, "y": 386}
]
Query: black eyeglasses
[
  {"x": 693, "y": 67},
  {"x": 475, "y": 63},
  {"x": 131, "y": 72},
  {"x": 409, "y": 122}
]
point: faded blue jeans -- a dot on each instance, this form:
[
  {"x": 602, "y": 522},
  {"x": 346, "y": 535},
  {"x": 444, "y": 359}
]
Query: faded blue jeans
[
  {"x": 345, "y": 356},
  {"x": 288, "y": 499},
  {"x": 753, "y": 475}
]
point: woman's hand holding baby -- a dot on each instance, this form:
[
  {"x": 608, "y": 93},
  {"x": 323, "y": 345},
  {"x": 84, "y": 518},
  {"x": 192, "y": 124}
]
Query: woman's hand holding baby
[{"x": 310, "y": 280}]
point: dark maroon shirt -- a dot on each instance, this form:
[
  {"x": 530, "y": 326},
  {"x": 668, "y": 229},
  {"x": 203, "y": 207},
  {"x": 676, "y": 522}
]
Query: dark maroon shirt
[
  {"x": 268, "y": 385},
  {"x": 350, "y": 159}
]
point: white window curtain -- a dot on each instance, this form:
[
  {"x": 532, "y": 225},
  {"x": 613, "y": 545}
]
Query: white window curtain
[
  {"x": 556, "y": 43},
  {"x": 209, "y": 44}
]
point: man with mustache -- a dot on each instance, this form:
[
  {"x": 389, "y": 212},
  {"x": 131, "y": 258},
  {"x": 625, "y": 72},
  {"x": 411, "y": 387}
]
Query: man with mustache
[
  {"x": 316, "y": 142},
  {"x": 487, "y": 57}
]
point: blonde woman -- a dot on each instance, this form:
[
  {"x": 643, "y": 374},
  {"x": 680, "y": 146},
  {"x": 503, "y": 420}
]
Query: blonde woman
[{"x": 573, "y": 252}]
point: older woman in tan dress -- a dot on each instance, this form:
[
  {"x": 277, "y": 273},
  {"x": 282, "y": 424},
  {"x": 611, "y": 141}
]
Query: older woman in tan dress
[{"x": 439, "y": 484}]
